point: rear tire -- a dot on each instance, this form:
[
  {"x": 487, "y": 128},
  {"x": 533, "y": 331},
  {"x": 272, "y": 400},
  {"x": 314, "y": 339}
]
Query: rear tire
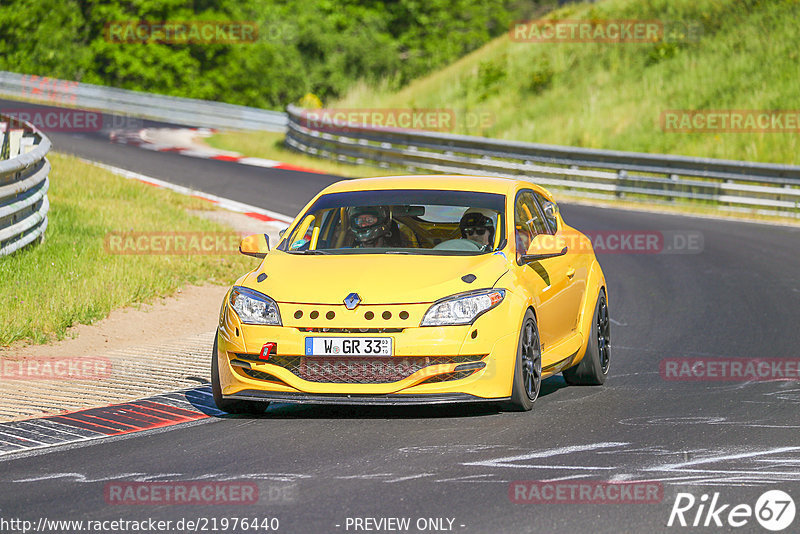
[
  {"x": 528, "y": 367},
  {"x": 228, "y": 405},
  {"x": 593, "y": 368}
]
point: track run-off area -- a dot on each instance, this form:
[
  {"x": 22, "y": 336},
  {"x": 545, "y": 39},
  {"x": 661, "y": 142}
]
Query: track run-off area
[{"x": 317, "y": 468}]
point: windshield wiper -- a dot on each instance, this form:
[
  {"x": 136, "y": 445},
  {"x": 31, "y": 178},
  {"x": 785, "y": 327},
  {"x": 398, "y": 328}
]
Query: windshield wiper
[{"x": 309, "y": 252}]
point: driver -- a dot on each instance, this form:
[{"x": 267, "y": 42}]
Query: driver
[
  {"x": 373, "y": 226},
  {"x": 477, "y": 225}
]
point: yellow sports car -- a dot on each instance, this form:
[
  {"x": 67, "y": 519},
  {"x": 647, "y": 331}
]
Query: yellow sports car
[{"x": 414, "y": 290}]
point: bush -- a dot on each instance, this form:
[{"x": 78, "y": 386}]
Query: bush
[{"x": 304, "y": 46}]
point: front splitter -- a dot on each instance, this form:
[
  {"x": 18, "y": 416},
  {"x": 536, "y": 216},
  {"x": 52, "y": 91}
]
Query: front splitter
[{"x": 380, "y": 400}]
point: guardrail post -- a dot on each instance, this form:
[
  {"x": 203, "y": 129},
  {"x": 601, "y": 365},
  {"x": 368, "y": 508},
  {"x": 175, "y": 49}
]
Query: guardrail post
[
  {"x": 3, "y": 140},
  {"x": 26, "y": 145},
  {"x": 622, "y": 176}
]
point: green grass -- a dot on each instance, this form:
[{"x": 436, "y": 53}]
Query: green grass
[
  {"x": 70, "y": 278},
  {"x": 270, "y": 145},
  {"x": 611, "y": 96}
]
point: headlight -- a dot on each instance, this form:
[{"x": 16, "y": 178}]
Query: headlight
[
  {"x": 254, "y": 308},
  {"x": 462, "y": 309}
]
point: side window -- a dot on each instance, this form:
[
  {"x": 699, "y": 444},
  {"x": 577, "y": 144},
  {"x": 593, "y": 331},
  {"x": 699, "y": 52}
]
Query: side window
[
  {"x": 527, "y": 221},
  {"x": 549, "y": 209}
]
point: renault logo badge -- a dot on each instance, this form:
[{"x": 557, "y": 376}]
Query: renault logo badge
[{"x": 351, "y": 301}]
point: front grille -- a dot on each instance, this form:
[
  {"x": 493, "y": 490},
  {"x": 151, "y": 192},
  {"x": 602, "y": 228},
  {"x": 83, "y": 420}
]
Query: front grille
[{"x": 362, "y": 370}]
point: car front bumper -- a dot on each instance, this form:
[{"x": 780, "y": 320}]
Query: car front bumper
[{"x": 428, "y": 365}]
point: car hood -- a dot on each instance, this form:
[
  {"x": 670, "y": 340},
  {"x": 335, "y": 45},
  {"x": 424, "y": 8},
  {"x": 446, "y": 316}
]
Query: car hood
[{"x": 378, "y": 279}]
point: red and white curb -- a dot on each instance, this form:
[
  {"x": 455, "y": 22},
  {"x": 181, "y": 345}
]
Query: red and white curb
[
  {"x": 225, "y": 203},
  {"x": 181, "y": 141},
  {"x": 160, "y": 411}
]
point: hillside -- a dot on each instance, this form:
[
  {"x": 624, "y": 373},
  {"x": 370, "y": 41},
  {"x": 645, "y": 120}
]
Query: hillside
[{"x": 612, "y": 95}]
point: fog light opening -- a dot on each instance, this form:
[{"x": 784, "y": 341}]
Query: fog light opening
[{"x": 469, "y": 366}]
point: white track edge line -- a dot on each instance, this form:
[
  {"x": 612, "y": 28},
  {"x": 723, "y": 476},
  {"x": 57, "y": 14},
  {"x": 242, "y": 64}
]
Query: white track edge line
[{"x": 226, "y": 203}]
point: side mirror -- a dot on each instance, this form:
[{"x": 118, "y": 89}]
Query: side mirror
[
  {"x": 544, "y": 246},
  {"x": 283, "y": 231},
  {"x": 256, "y": 245}
]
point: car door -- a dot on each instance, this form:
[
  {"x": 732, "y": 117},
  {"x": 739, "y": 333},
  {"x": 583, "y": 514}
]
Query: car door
[
  {"x": 578, "y": 260},
  {"x": 547, "y": 279}
]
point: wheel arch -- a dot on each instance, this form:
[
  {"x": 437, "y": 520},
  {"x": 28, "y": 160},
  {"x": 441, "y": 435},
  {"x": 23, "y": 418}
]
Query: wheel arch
[{"x": 595, "y": 282}]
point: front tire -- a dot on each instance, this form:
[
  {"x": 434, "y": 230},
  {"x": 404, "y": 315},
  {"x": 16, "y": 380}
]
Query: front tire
[
  {"x": 528, "y": 367},
  {"x": 593, "y": 369},
  {"x": 228, "y": 405}
]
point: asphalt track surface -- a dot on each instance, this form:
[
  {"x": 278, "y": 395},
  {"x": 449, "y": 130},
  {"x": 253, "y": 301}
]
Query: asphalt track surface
[{"x": 318, "y": 466}]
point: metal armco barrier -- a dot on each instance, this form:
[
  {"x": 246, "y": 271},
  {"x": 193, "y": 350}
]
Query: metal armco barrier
[
  {"x": 173, "y": 109},
  {"x": 23, "y": 184},
  {"x": 653, "y": 178}
]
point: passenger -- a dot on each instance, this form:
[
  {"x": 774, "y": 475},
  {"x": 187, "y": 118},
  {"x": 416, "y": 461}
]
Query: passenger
[{"x": 477, "y": 225}]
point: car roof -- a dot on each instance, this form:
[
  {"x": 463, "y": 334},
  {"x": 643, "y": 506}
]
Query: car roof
[{"x": 484, "y": 184}]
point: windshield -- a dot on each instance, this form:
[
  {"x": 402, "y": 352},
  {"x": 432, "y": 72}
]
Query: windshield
[{"x": 400, "y": 222}]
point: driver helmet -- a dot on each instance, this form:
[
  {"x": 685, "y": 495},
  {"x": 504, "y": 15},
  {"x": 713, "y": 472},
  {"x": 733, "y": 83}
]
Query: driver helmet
[
  {"x": 368, "y": 223},
  {"x": 477, "y": 221}
]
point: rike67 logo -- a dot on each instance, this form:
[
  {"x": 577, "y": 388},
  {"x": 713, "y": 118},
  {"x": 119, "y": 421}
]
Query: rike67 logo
[{"x": 774, "y": 510}]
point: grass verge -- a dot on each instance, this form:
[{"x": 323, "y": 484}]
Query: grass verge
[{"x": 70, "y": 278}]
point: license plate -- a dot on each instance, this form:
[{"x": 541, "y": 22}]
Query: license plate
[{"x": 348, "y": 346}]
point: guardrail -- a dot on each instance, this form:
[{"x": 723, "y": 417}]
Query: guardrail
[
  {"x": 178, "y": 110},
  {"x": 655, "y": 178},
  {"x": 23, "y": 184}
]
